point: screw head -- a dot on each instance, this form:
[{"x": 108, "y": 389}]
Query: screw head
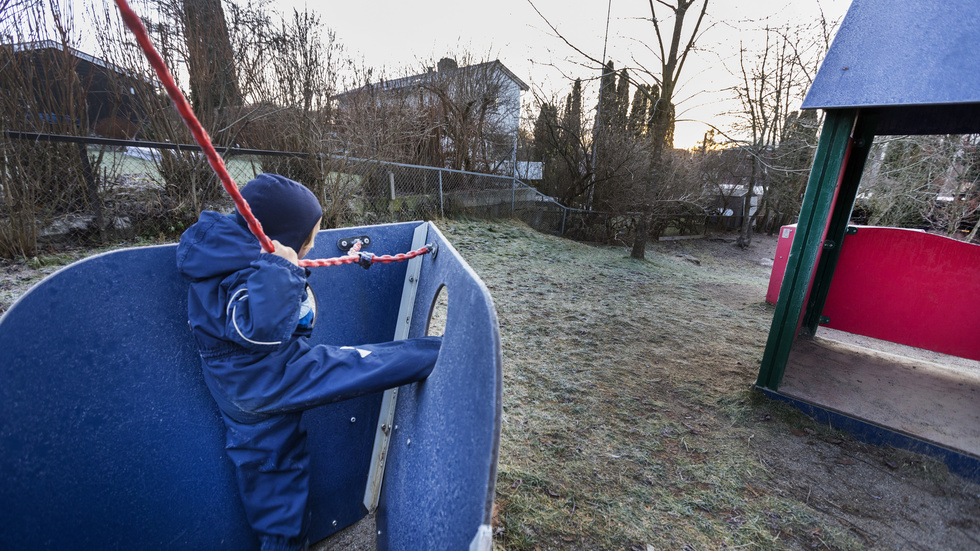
[{"x": 353, "y": 419}]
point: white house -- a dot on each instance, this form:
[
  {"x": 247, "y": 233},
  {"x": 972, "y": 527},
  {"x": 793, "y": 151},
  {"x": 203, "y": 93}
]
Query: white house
[{"x": 477, "y": 109}]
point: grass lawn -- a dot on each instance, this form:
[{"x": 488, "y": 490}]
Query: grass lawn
[{"x": 630, "y": 422}]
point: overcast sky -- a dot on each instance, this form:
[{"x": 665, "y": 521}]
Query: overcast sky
[{"x": 399, "y": 35}]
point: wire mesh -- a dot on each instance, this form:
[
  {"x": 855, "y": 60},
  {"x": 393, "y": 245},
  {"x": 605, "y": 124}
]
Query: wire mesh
[
  {"x": 58, "y": 191},
  {"x": 61, "y": 191}
]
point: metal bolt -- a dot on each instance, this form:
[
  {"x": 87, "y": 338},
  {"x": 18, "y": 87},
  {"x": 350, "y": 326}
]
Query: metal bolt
[
  {"x": 335, "y": 523},
  {"x": 409, "y": 443},
  {"x": 396, "y": 427},
  {"x": 353, "y": 419}
]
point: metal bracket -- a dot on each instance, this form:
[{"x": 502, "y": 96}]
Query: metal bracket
[
  {"x": 483, "y": 539},
  {"x": 828, "y": 245},
  {"x": 345, "y": 244},
  {"x": 824, "y": 320}
]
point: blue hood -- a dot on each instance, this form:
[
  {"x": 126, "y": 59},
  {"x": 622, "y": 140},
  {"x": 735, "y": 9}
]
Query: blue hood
[{"x": 216, "y": 245}]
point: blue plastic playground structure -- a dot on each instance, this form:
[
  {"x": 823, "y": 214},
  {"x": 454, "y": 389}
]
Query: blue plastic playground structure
[{"x": 110, "y": 439}]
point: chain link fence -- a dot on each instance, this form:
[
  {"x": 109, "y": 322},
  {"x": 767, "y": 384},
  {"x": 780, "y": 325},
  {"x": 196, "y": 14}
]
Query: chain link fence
[{"x": 61, "y": 191}]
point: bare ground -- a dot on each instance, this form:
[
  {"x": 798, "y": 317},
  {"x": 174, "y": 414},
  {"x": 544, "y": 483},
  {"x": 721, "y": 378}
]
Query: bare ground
[{"x": 629, "y": 421}]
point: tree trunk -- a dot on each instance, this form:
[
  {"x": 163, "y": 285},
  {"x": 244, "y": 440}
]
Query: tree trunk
[
  {"x": 211, "y": 61},
  {"x": 640, "y": 239},
  {"x": 745, "y": 235},
  {"x": 662, "y": 119}
]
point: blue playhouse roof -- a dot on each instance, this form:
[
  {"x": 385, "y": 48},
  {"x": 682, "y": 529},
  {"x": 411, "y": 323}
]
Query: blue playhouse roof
[{"x": 916, "y": 63}]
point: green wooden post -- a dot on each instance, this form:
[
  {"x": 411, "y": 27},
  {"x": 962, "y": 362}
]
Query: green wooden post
[
  {"x": 840, "y": 217},
  {"x": 807, "y": 243}
]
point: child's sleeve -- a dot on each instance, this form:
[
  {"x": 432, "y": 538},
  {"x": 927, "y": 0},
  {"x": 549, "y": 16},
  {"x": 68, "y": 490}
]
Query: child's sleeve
[{"x": 263, "y": 309}]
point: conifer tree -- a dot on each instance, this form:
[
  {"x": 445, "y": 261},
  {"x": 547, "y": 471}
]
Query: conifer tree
[
  {"x": 638, "y": 112},
  {"x": 606, "y": 108},
  {"x": 622, "y": 101},
  {"x": 546, "y": 142},
  {"x": 572, "y": 119}
]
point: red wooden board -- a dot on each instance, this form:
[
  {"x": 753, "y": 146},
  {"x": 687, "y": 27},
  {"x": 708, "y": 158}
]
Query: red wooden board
[{"x": 903, "y": 286}]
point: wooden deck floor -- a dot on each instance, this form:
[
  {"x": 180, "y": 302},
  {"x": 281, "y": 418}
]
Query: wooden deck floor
[{"x": 931, "y": 396}]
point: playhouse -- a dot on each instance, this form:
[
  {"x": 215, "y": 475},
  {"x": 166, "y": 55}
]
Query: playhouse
[{"x": 895, "y": 68}]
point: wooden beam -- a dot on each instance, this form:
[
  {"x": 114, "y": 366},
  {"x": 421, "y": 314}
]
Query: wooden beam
[{"x": 821, "y": 190}]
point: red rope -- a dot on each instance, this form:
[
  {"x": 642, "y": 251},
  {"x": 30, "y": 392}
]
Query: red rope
[
  {"x": 356, "y": 257},
  {"x": 135, "y": 25}
]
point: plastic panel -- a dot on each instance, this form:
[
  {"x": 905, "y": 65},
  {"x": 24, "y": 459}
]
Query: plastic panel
[
  {"x": 439, "y": 483},
  {"x": 909, "y": 287},
  {"x": 110, "y": 439}
]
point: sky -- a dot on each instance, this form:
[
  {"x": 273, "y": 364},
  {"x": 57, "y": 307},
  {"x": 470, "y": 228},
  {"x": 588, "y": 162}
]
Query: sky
[{"x": 405, "y": 37}]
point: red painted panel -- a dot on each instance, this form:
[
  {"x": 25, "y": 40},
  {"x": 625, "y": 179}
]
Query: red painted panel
[
  {"x": 908, "y": 287},
  {"x": 903, "y": 286},
  {"x": 783, "y": 247}
]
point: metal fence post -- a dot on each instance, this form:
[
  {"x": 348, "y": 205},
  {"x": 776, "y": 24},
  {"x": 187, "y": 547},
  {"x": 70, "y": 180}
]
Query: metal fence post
[
  {"x": 391, "y": 183},
  {"x": 564, "y": 213},
  {"x": 442, "y": 210},
  {"x": 513, "y": 195}
]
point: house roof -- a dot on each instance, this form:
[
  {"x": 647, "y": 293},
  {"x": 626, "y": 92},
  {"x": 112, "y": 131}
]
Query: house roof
[
  {"x": 915, "y": 63},
  {"x": 38, "y": 45},
  {"x": 415, "y": 80}
]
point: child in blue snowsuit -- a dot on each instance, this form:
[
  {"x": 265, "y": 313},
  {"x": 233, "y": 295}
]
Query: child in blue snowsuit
[{"x": 250, "y": 312}]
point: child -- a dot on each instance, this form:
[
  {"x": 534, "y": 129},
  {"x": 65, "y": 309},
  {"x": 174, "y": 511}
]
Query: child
[{"x": 251, "y": 312}]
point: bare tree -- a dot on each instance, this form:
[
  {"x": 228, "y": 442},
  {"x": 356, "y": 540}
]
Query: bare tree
[
  {"x": 926, "y": 182},
  {"x": 673, "y": 51},
  {"x": 44, "y": 90},
  {"x": 371, "y": 123},
  {"x": 11, "y": 10},
  {"x": 790, "y": 170},
  {"x": 773, "y": 79},
  {"x": 475, "y": 106}
]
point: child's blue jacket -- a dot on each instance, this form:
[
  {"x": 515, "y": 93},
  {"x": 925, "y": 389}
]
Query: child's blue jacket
[{"x": 243, "y": 309}]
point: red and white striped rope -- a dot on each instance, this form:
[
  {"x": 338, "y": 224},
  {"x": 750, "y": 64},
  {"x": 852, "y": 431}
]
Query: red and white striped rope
[{"x": 183, "y": 107}]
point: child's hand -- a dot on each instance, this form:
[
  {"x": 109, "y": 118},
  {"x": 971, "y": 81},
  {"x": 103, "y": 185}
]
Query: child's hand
[{"x": 285, "y": 251}]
